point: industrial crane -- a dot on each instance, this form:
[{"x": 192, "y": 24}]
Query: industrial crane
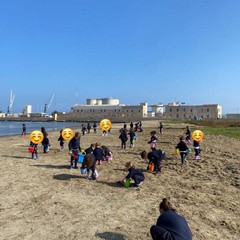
[
  {"x": 10, "y": 107},
  {"x": 47, "y": 105}
]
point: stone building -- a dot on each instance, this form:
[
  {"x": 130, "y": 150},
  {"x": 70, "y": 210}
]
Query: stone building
[
  {"x": 194, "y": 112},
  {"x": 97, "y": 109}
]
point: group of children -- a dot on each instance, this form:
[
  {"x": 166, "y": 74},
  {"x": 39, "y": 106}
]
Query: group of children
[
  {"x": 99, "y": 152},
  {"x": 184, "y": 146},
  {"x": 96, "y": 153},
  {"x": 123, "y": 136}
]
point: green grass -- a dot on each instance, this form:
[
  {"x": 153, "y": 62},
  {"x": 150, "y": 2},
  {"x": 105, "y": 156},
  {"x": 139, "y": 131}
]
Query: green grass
[{"x": 233, "y": 132}]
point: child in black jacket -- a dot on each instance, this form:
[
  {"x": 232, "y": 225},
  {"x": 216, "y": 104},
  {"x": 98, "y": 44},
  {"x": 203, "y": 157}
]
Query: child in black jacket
[
  {"x": 183, "y": 149},
  {"x": 197, "y": 150},
  {"x": 135, "y": 174},
  {"x": 74, "y": 148}
]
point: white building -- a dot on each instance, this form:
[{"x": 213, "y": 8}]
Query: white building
[
  {"x": 157, "y": 110},
  {"x": 109, "y": 108},
  {"x": 27, "y": 110}
]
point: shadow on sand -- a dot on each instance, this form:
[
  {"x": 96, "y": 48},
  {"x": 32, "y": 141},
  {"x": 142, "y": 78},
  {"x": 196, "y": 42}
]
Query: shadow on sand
[
  {"x": 112, "y": 236},
  {"x": 51, "y": 166},
  {"x": 66, "y": 177},
  {"x": 18, "y": 157}
]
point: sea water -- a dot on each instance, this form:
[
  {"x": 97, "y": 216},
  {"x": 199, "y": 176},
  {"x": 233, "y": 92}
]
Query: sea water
[{"x": 8, "y": 128}]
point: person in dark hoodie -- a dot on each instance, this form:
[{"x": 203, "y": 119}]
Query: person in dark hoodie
[
  {"x": 132, "y": 135},
  {"x": 135, "y": 174},
  {"x": 183, "y": 149},
  {"x": 154, "y": 156},
  {"x": 90, "y": 149},
  {"x": 45, "y": 141},
  {"x": 74, "y": 148},
  {"x": 170, "y": 225},
  {"x": 123, "y": 137},
  {"x": 98, "y": 153}
]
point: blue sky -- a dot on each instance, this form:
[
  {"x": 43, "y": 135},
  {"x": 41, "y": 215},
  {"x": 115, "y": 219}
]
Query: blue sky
[{"x": 134, "y": 50}]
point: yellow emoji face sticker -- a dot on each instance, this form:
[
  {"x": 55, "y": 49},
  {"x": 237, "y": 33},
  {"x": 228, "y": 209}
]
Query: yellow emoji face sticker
[
  {"x": 67, "y": 134},
  {"x": 105, "y": 124},
  {"x": 36, "y": 136},
  {"x": 198, "y": 135}
]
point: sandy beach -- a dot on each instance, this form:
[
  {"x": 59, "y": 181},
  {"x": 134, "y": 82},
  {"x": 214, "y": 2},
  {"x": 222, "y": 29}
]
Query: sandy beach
[{"x": 43, "y": 199}]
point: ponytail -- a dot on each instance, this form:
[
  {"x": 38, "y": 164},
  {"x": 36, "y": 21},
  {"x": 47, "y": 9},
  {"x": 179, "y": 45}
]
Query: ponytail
[{"x": 166, "y": 205}]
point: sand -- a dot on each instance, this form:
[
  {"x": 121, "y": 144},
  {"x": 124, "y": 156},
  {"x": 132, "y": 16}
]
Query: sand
[{"x": 42, "y": 199}]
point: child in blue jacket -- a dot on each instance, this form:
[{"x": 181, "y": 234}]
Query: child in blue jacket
[{"x": 135, "y": 174}]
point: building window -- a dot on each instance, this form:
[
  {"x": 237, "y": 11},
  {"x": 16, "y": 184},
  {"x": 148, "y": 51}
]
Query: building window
[
  {"x": 207, "y": 109},
  {"x": 177, "y": 109},
  {"x": 170, "y": 110}
]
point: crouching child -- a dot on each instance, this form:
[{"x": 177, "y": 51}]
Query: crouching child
[
  {"x": 135, "y": 174},
  {"x": 89, "y": 162}
]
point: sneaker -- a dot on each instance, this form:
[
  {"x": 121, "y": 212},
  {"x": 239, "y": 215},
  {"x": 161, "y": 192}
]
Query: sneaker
[
  {"x": 69, "y": 167},
  {"x": 136, "y": 186},
  {"x": 140, "y": 183}
]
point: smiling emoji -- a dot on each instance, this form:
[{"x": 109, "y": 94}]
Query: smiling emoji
[
  {"x": 198, "y": 135},
  {"x": 105, "y": 124},
  {"x": 36, "y": 136},
  {"x": 67, "y": 134}
]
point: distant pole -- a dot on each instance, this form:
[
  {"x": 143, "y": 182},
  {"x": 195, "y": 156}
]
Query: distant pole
[{"x": 76, "y": 97}]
